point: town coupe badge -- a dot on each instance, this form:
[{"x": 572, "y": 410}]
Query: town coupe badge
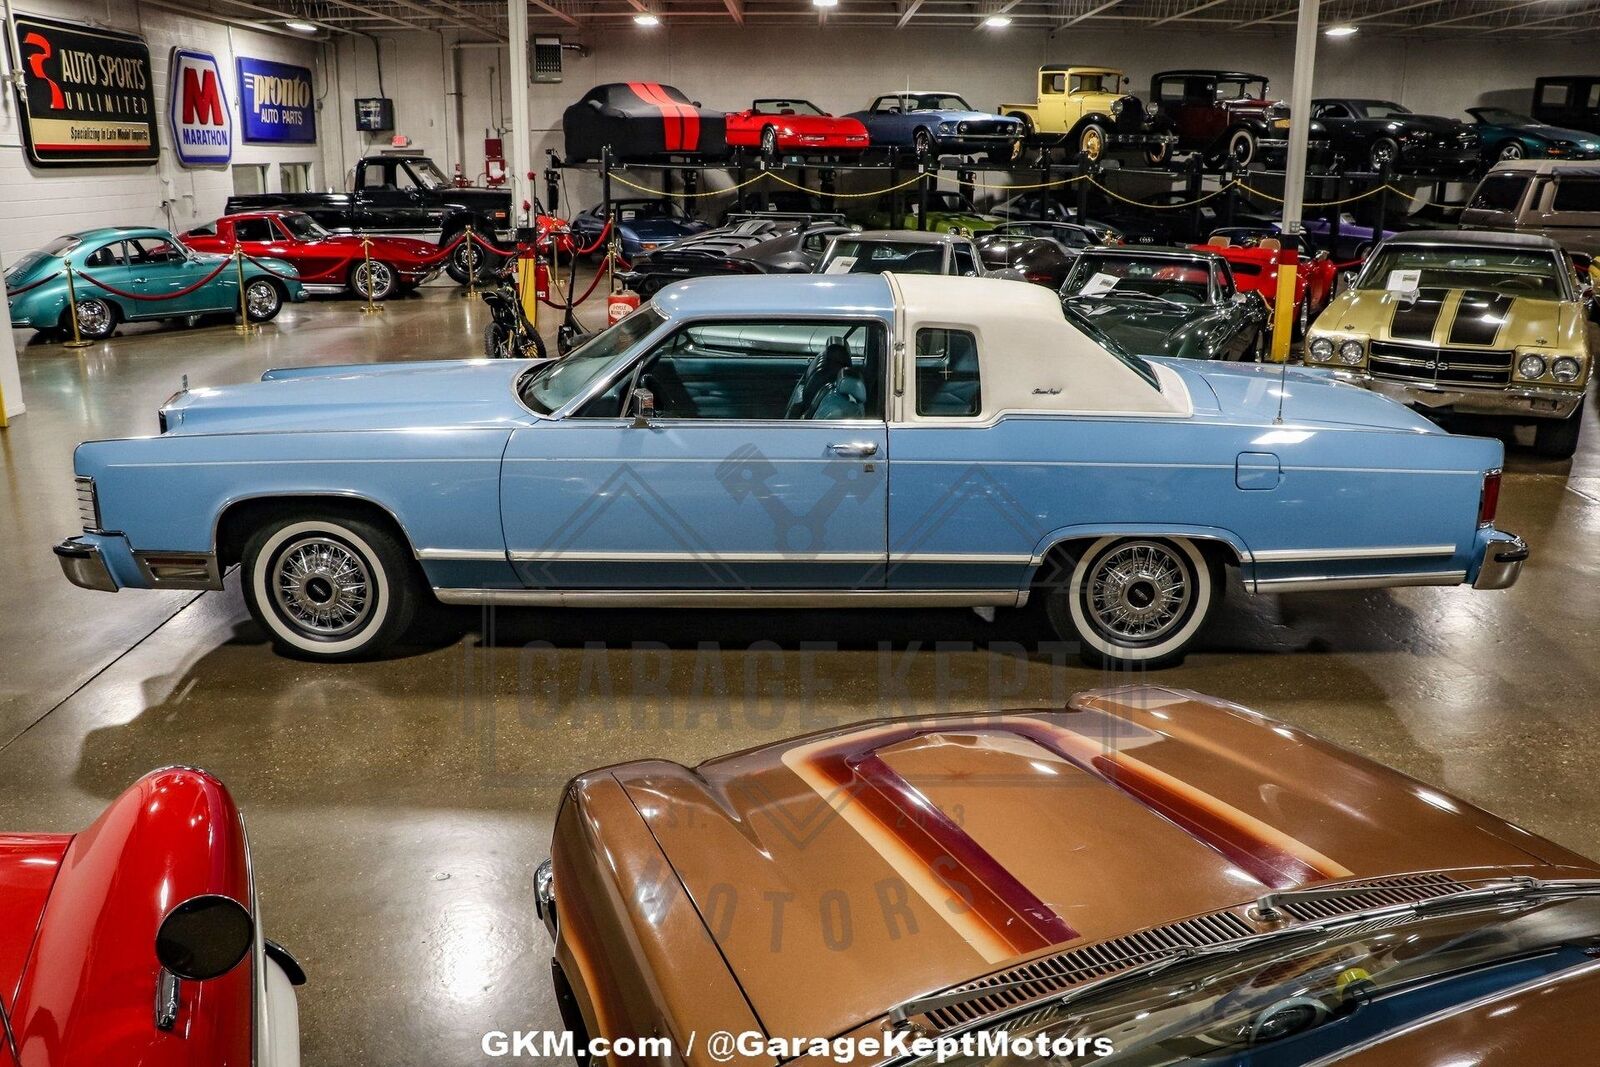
[{"x": 202, "y": 123}]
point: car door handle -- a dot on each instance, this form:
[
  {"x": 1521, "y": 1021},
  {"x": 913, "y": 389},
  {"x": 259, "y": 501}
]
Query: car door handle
[{"x": 854, "y": 448}]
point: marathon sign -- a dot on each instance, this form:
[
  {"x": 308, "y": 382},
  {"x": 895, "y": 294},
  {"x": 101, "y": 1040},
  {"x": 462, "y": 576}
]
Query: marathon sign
[
  {"x": 86, "y": 95},
  {"x": 202, "y": 124},
  {"x": 276, "y": 103}
]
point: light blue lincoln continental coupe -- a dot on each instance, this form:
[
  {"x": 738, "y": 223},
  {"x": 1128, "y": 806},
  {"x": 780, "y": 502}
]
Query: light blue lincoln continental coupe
[{"x": 801, "y": 442}]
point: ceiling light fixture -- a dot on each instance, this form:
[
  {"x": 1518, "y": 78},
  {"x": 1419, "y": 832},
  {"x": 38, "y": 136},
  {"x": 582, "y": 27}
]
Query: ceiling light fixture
[
  {"x": 1339, "y": 31},
  {"x": 824, "y": 3},
  {"x": 997, "y": 22},
  {"x": 300, "y": 26},
  {"x": 644, "y": 18}
]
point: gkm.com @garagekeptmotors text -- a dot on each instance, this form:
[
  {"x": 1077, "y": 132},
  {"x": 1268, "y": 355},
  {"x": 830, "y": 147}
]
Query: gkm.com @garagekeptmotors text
[{"x": 745, "y": 1046}]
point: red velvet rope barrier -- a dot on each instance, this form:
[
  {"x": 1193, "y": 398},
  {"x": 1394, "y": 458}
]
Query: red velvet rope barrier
[
  {"x": 599, "y": 274},
  {"x": 598, "y": 241},
  {"x": 165, "y": 296}
]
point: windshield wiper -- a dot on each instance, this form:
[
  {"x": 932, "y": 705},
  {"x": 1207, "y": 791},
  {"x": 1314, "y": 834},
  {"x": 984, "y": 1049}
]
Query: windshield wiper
[{"x": 1269, "y": 906}]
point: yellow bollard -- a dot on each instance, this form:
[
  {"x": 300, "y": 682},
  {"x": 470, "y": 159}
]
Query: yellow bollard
[
  {"x": 245, "y": 326},
  {"x": 1283, "y": 312},
  {"x": 72, "y": 305},
  {"x": 366, "y": 255}
]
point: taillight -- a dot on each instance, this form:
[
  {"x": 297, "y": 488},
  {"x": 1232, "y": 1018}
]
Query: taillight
[{"x": 1489, "y": 501}]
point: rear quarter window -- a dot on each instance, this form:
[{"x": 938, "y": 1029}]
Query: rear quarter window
[{"x": 1577, "y": 194}]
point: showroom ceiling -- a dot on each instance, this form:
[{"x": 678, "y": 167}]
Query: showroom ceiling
[{"x": 1438, "y": 18}]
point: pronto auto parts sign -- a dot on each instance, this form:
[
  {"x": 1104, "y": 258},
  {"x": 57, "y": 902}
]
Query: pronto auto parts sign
[
  {"x": 276, "y": 103},
  {"x": 86, "y": 94},
  {"x": 202, "y": 125}
]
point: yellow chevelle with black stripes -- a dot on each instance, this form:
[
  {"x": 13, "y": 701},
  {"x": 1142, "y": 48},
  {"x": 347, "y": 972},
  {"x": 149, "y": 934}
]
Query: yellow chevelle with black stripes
[{"x": 1464, "y": 323}]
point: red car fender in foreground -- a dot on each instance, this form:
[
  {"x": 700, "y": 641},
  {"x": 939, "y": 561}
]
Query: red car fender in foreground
[{"x": 78, "y": 922}]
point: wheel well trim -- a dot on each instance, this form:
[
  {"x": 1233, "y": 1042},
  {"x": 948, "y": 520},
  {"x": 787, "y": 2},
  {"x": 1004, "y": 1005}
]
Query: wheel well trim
[
  {"x": 1242, "y": 556},
  {"x": 347, "y": 495}
]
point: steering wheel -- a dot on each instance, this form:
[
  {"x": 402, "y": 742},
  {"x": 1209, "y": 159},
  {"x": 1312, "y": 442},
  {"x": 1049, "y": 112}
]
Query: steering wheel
[{"x": 1521, "y": 285}]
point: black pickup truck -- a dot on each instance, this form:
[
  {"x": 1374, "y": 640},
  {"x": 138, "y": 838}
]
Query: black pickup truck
[{"x": 401, "y": 195}]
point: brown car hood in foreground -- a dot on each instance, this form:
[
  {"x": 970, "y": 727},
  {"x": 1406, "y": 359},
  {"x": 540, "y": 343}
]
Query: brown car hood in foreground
[{"x": 844, "y": 872}]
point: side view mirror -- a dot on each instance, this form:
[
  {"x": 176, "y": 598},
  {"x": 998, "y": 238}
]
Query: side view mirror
[
  {"x": 696, "y": 103},
  {"x": 643, "y": 404},
  {"x": 1323, "y": 254},
  {"x": 205, "y": 937}
]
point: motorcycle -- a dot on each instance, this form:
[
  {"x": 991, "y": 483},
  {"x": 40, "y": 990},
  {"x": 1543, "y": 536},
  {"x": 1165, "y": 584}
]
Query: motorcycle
[{"x": 509, "y": 334}]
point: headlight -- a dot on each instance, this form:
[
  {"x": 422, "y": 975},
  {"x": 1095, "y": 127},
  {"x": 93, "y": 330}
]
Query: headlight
[
  {"x": 1321, "y": 349},
  {"x": 1152, "y": 109},
  {"x": 1566, "y": 370},
  {"x": 1352, "y": 352},
  {"x": 947, "y": 127},
  {"x": 1116, "y": 106},
  {"x": 1531, "y": 366},
  {"x": 961, "y": 128}
]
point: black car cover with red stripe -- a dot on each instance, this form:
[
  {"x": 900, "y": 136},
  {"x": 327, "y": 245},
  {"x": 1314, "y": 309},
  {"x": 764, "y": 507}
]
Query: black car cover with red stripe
[{"x": 641, "y": 121}]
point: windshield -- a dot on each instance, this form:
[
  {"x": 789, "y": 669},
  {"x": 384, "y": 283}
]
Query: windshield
[
  {"x": 1500, "y": 116},
  {"x": 547, "y": 388},
  {"x": 1247, "y": 89},
  {"x": 628, "y": 210},
  {"x": 1536, "y": 274},
  {"x": 1309, "y": 994},
  {"x": 1379, "y": 109},
  {"x": 303, "y": 227},
  {"x": 428, "y": 174},
  {"x": 1500, "y": 192},
  {"x": 1110, "y": 276},
  {"x": 935, "y": 102},
  {"x": 786, "y": 107},
  {"x": 852, "y": 256},
  {"x": 946, "y": 201}
]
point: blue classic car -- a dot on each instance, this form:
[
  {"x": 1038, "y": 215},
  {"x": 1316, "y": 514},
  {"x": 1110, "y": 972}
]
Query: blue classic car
[
  {"x": 1513, "y": 135},
  {"x": 940, "y": 123},
  {"x": 127, "y": 273},
  {"x": 731, "y": 444},
  {"x": 644, "y": 224}
]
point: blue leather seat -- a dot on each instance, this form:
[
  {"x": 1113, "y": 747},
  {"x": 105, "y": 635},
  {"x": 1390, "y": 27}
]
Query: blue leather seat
[
  {"x": 820, "y": 374},
  {"x": 955, "y": 389},
  {"x": 845, "y": 398}
]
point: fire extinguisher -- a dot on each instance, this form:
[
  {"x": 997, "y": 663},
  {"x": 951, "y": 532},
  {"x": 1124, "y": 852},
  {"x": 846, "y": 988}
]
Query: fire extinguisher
[{"x": 620, "y": 304}]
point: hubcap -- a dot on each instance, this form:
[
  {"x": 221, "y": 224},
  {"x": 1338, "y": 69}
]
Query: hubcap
[
  {"x": 322, "y": 587},
  {"x": 1139, "y": 592},
  {"x": 375, "y": 280},
  {"x": 1511, "y": 151},
  {"x": 93, "y": 316},
  {"x": 260, "y": 298},
  {"x": 1091, "y": 144}
]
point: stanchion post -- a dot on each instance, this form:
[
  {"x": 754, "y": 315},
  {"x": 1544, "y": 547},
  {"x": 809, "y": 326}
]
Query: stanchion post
[
  {"x": 1336, "y": 211},
  {"x": 371, "y": 307},
  {"x": 922, "y": 195},
  {"x": 72, "y": 305},
  {"x": 1084, "y": 169},
  {"x": 472, "y": 263},
  {"x": 1383, "y": 204},
  {"x": 245, "y": 326}
]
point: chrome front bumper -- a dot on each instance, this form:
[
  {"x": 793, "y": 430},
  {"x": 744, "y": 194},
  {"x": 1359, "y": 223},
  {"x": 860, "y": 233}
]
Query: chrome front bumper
[
  {"x": 1526, "y": 401},
  {"x": 84, "y": 566},
  {"x": 1503, "y": 557},
  {"x": 544, "y": 897}
]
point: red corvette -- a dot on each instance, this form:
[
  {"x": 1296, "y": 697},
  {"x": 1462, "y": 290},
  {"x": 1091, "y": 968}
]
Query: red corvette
[
  {"x": 137, "y": 940},
  {"x": 328, "y": 262},
  {"x": 1253, "y": 259},
  {"x": 779, "y": 126}
]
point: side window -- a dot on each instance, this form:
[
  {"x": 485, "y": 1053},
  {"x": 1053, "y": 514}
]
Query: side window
[
  {"x": 1055, "y": 83},
  {"x": 1553, "y": 94},
  {"x": 1577, "y": 194},
  {"x": 966, "y": 261},
  {"x": 112, "y": 255},
  {"x": 768, "y": 371},
  {"x": 404, "y": 179},
  {"x": 1594, "y": 97},
  {"x": 375, "y": 177},
  {"x": 152, "y": 250},
  {"x": 947, "y": 374},
  {"x": 253, "y": 230}
]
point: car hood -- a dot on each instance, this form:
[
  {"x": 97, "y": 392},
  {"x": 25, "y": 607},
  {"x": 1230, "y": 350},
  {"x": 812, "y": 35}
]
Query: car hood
[
  {"x": 1143, "y": 328},
  {"x": 1553, "y": 133},
  {"x": 365, "y": 396},
  {"x": 28, "y": 866},
  {"x": 663, "y": 229},
  {"x": 847, "y": 871},
  {"x": 962, "y": 116},
  {"x": 1251, "y": 391},
  {"x": 1444, "y": 316}
]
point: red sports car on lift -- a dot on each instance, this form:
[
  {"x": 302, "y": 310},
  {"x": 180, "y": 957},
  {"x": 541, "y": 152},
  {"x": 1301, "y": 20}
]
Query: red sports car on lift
[
  {"x": 794, "y": 126},
  {"x": 138, "y": 941},
  {"x": 1253, "y": 259},
  {"x": 328, "y": 262}
]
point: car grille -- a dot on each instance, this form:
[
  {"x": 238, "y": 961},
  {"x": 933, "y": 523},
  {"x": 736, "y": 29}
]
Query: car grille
[
  {"x": 1051, "y": 975},
  {"x": 88, "y": 504},
  {"x": 988, "y": 128},
  {"x": 1445, "y": 366}
]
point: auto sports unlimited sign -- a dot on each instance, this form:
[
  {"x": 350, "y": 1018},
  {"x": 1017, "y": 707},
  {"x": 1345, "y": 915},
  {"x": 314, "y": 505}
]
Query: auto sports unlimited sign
[
  {"x": 202, "y": 125},
  {"x": 86, "y": 94},
  {"x": 276, "y": 103}
]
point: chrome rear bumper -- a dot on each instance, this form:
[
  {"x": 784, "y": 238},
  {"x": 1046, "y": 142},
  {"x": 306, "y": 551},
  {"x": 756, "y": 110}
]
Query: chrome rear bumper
[
  {"x": 84, "y": 566},
  {"x": 1503, "y": 557}
]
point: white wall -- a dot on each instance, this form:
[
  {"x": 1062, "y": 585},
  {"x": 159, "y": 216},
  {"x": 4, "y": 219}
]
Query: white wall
[
  {"x": 842, "y": 68},
  {"x": 37, "y": 204}
]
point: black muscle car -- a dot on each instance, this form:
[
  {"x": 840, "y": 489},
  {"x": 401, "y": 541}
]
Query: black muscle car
[
  {"x": 400, "y": 195},
  {"x": 749, "y": 244},
  {"x": 1382, "y": 135},
  {"x": 1165, "y": 302},
  {"x": 642, "y": 121}
]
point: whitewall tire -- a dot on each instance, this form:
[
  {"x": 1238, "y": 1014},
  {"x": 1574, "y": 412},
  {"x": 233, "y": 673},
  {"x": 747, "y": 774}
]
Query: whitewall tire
[
  {"x": 1133, "y": 601},
  {"x": 328, "y": 588}
]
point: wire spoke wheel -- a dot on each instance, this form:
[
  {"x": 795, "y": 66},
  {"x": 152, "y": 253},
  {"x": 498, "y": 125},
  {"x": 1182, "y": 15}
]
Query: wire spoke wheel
[
  {"x": 321, "y": 587},
  {"x": 1139, "y": 592}
]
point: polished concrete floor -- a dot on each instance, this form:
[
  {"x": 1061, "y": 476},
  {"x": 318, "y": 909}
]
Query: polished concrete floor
[{"x": 397, "y": 809}]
